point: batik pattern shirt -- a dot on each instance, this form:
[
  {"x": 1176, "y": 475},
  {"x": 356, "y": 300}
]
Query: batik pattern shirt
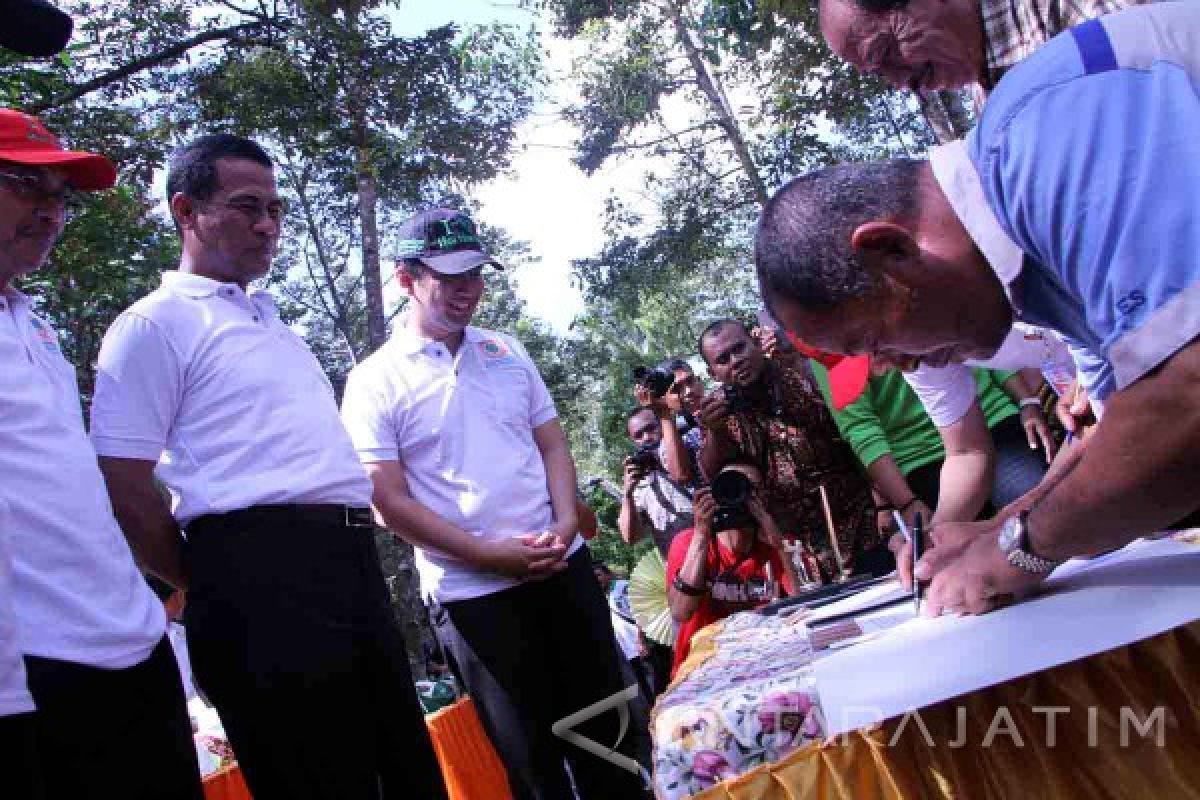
[{"x": 792, "y": 438}]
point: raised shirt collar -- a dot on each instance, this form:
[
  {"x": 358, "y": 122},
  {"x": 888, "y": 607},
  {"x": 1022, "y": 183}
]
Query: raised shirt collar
[{"x": 959, "y": 182}]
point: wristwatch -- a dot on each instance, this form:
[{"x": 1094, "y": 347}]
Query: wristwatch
[{"x": 1013, "y": 541}]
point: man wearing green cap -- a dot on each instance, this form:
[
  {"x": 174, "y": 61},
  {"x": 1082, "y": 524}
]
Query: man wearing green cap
[{"x": 469, "y": 464}]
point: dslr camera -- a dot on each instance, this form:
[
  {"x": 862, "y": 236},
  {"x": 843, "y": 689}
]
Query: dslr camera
[
  {"x": 731, "y": 490},
  {"x": 645, "y": 457},
  {"x": 657, "y": 380},
  {"x": 736, "y": 400}
]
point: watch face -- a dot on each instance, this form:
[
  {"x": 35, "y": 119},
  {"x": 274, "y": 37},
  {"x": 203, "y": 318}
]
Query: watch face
[{"x": 1010, "y": 535}]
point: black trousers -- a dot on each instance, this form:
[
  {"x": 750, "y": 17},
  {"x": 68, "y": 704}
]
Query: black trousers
[
  {"x": 105, "y": 733},
  {"x": 659, "y": 661},
  {"x": 531, "y": 655},
  {"x": 291, "y": 636},
  {"x": 21, "y": 766}
]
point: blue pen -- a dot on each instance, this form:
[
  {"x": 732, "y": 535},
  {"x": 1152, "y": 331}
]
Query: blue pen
[{"x": 918, "y": 542}]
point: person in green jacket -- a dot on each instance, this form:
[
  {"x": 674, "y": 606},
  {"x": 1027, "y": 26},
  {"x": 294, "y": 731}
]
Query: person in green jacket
[{"x": 947, "y": 474}]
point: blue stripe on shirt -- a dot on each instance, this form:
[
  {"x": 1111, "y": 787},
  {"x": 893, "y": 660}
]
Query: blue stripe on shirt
[{"x": 1094, "y": 47}]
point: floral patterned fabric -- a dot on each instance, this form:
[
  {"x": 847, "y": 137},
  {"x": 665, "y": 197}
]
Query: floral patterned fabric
[{"x": 745, "y": 697}]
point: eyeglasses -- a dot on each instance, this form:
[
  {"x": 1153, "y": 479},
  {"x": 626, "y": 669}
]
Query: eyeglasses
[
  {"x": 40, "y": 187},
  {"x": 253, "y": 210}
]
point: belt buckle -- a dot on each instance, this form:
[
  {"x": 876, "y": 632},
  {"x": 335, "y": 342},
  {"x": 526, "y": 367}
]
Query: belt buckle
[{"x": 358, "y": 517}]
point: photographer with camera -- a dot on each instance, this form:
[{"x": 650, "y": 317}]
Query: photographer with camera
[
  {"x": 673, "y": 392},
  {"x": 770, "y": 412},
  {"x": 652, "y": 501},
  {"x": 732, "y": 560}
]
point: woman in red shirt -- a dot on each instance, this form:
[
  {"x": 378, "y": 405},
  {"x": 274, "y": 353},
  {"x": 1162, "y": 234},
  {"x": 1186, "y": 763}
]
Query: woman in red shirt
[{"x": 731, "y": 560}]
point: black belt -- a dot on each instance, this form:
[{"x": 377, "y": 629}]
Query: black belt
[{"x": 328, "y": 513}]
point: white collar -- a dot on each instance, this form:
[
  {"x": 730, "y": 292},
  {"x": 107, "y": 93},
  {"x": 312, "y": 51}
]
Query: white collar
[
  {"x": 193, "y": 285},
  {"x": 959, "y": 182},
  {"x": 409, "y": 342}
]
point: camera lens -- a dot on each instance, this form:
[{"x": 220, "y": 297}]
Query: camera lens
[
  {"x": 658, "y": 381},
  {"x": 731, "y": 489}
]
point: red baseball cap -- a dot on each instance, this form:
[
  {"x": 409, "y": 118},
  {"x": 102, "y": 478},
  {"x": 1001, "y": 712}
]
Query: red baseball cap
[
  {"x": 847, "y": 374},
  {"x": 25, "y": 140}
]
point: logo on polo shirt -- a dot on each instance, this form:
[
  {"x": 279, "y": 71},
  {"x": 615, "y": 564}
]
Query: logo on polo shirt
[
  {"x": 44, "y": 334},
  {"x": 1131, "y": 302},
  {"x": 495, "y": 353}
]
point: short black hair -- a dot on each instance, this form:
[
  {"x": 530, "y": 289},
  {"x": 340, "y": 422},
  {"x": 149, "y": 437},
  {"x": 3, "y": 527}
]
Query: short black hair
[
  {"x": 192, "y": 168},
  {"x": 672, "y": 364},
  {"x": 713, "y": 328},
  {"x": 802, "y": 247},
  {"x": 633, "y": 412}
]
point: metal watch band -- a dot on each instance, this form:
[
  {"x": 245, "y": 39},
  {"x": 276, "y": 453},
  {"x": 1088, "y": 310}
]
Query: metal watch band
[
  {"x": 1027, "y": 562},
  {"x": 1022, "y": 556}
]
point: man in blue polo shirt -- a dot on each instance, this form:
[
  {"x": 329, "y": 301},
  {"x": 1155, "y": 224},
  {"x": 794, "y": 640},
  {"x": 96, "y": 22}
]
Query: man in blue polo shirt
[{"x": 1087, "y": 158}]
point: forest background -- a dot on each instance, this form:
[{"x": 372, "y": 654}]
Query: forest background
[{"x": 704, "y": 106}]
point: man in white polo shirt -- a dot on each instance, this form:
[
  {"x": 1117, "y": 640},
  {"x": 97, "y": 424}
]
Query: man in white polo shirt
[
  {"x": 462, "y": 442},
  {"x": 288, "y": 618},
  {"x": 96, "y": 661}
]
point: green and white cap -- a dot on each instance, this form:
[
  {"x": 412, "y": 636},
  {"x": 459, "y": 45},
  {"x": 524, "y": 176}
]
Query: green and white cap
[{"x": 443, "y": 239}]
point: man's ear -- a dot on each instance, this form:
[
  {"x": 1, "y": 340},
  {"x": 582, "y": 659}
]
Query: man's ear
[
  {"x": 183, "y": 209},
  {"x": 887, "y": 249}
]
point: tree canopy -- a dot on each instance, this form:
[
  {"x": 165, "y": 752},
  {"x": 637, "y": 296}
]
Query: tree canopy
[{"x": 717, "y": 102}]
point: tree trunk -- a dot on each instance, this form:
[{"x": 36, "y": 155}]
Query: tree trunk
[
  {"x": 368, "y": 201},
  {"x": 400, "y": 572},
  {"x": 956, "y": 112},
  {"x": 399, "y": 566},
  {"x": 718, "y": 101},
  {"x": 946, "y": 115}
]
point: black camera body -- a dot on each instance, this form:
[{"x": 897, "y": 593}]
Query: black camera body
[
  {"x": 736, "y": 400},
  {"x": 645, "y": 457},
  {"x": 732, "y": 490},
  {"x": 657, "y": 380}
]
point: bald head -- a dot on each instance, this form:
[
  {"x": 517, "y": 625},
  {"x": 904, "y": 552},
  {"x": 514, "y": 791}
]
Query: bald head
[
  {"x": 803, "y": 248},
  {"x": 871, "y": 258}
]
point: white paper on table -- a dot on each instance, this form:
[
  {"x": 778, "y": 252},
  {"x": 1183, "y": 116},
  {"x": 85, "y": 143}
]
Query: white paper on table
[{"x": 1089, "y": 607}]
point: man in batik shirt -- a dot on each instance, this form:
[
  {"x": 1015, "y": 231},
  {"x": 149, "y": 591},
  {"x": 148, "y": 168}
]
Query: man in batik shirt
[{"x": 769, "y": 412}]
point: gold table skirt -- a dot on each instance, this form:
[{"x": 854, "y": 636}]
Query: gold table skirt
[{"x": 1130, "y": 729}]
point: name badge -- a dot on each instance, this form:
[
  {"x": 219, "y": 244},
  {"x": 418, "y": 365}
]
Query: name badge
[
  {"x": 495, "y": 353},
  {"x": 44, "y": 334}
]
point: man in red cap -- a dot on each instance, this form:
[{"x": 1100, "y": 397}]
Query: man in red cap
[{"x": 82, "y": 637}]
